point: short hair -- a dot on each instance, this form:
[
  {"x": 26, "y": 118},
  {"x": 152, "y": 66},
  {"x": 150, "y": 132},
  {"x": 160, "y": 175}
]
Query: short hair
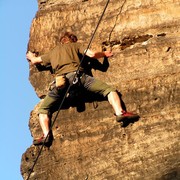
[{"x": 68, "y": 37}]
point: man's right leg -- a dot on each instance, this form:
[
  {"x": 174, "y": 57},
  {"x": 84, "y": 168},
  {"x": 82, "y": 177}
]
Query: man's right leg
[
  {"x": 44, "y": 123},
  {"x": 44, "y": 120},
  {"x": 115, "y": 102}
]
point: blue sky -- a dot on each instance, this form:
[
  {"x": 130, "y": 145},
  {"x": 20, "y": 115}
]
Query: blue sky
[{"x": 17, "y": 95}]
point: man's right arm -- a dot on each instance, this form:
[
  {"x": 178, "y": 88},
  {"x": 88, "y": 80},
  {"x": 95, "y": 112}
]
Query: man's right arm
[{"x": 33, "y": 58}]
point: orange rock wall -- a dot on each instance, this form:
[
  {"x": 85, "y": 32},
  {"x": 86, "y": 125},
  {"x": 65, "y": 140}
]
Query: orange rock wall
[{"x": 88, "y": 144}]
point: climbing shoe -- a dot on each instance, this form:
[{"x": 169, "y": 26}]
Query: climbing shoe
[
  {"x": 43, "y": 140},
  {"x": 126, "y": 116}
]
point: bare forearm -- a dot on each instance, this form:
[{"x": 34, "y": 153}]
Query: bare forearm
[
  {"x": 36, "y": 60},
  {"x": 99, "y": 55}
]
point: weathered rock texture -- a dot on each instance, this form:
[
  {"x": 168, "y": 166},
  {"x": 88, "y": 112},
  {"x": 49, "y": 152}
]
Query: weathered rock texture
[{"x": 89, "y": 144}]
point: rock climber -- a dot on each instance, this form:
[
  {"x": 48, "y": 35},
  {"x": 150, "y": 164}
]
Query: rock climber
[{"x": 64, "y": 59}]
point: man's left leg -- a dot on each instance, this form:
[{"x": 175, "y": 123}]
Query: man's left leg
[
  {"x": 115, "y": 102},
  {"x": 121, "y": 114},
  {"x": 110, "y": 92}
]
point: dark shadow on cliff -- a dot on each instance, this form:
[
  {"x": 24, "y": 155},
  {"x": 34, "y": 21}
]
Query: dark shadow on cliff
[
  {"x": 174, "y": 174},
  {"x": 127, "y": 122},
  {"x": 50, "y": 140}
]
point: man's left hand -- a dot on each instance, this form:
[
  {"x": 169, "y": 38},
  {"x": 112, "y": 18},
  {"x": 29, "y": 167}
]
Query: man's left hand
[{"x": 108, "y": 53}]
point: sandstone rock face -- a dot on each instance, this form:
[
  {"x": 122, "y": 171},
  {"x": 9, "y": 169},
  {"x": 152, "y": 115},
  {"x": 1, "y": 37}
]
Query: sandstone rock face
[{"x": 144, "y": 36}]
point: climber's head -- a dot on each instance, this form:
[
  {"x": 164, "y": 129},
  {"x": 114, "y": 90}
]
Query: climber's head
[{"x": 68, "y": 37}]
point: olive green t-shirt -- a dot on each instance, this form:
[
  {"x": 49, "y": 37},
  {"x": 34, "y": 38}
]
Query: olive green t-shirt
[{"x": 64, "y": 58}]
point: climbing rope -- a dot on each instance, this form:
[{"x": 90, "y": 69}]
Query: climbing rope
[{"x": 65, "y": 95}]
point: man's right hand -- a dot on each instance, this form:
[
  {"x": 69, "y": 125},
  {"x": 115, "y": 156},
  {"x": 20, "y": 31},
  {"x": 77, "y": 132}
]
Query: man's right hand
[{"x": 32, "y": 58}]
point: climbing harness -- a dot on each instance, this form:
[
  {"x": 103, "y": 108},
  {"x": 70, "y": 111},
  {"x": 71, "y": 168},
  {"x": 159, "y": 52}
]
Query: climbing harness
[{"x": 75, "y": 80}]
